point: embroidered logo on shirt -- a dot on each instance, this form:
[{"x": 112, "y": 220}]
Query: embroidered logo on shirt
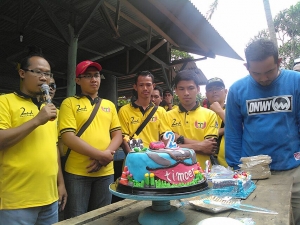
[
  {"x": 105, "y": 109},
  {"x": 175, "y": 123},
  {"x": 24, "y": 113},
  {"x": 153, "y": 119},
  {"x": 297, "y": 155},
  {"x": 200, "y": 125},
  {"x": 273, "y": 104},
  {"x": 134, "y": 121},
  {"x": 81, "y": 109}
]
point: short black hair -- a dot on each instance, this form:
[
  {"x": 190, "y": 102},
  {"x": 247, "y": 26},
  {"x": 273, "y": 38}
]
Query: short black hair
[
  {"x": 31, "y": 52},
  {"x": 167, "y": 91},
  {"x": 144, "y": 74},
  {"x": 261, "y": 49},
  {"x": 186, "y": 75},
  {"x": 159, "y": 89}
]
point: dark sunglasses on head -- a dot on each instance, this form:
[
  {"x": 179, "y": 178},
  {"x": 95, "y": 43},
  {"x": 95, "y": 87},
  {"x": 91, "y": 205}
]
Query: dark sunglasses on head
[{"x": 53, "y": 86}]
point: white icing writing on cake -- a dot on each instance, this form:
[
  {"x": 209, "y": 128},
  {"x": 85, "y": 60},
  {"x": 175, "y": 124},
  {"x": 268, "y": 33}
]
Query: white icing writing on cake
[{"x": 178, "y": 176}]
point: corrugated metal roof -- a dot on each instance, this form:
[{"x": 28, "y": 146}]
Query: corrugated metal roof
[{"x": 46, "y": 24}]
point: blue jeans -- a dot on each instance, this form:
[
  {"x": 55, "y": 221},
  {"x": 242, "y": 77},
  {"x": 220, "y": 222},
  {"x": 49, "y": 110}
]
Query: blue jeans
[
  {"x": 42, "y": 215},
  {"x": 86, "y": 193}
]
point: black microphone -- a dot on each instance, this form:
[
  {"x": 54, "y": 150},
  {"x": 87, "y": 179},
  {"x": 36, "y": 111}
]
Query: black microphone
[{"x": 46, "y": 95}]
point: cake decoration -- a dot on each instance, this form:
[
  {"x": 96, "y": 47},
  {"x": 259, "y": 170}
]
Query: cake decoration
[
  {"x": 163, "y": 170},
  {"x": 170, "y": 136}
]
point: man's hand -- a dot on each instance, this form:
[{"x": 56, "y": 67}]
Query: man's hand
[
  {"x": 94, "y": 166},
  {"x": 106, "y": 157},
  {"x": 206, "y": 147},
  {"x": 48, "y": 112},
  {"x": 63, "y": 196},
  {"x": 216, "y": 107}
]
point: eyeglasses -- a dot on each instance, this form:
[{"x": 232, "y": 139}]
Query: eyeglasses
[
  {"x": 89, "y": 76},
  {"x": 216, "y": 89},
  {"x": 52, "y": 85},
  {"x": 40, "y": 73}
]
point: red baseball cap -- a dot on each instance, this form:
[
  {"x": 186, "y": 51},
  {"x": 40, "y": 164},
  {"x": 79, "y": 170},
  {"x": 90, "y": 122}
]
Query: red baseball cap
[{"x": 81, "y": 67}]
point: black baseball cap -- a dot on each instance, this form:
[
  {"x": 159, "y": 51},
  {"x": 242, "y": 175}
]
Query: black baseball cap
[{"x": 214, "y": 81}]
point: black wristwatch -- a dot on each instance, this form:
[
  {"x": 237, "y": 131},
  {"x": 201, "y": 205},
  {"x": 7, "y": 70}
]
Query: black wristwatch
[{"x": 180, "y": 140}]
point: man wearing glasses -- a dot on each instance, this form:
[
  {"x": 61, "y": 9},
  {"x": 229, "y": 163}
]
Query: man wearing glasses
[
  {"x": 52, "y": 87},
  {"x": 89, "y": 167},
  {"x": 216, "y": 95},
  {"x": 31, "y": 182}
]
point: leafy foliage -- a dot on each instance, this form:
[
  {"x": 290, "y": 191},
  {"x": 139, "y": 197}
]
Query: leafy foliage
[
  {"x": 287, "y": 27},
  {"x": 176, "y": 55}
]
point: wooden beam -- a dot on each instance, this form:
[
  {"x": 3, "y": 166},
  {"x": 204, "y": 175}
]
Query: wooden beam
[
  {"x": 165, "y": 76},
  {"x": 148, "y": 21},
  {"x": 178, "y": 23},
  {"x": 118, "y": 9},
  {"x": 140, "y": 49},
  {"x": 174, "y": 63},
  {"x": 55, "y": 21},
  {"x": 52, "y": 36},
  {"x": 129, "y": 19},
  {"x": 149, "y": 38},
  {"x": 109, "y": 21},
  {"x": 89, "y": 15},
  {"x": 159, "y": 44},
  {"x": 127, "y": 61},
  {"x": 92, "y": 51}
]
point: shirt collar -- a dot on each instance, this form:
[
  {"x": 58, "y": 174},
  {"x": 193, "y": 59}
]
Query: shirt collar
[
  {"x": 92, "y": 101},
  {"x": 182, "y": 109},
  {"x": 25, "y": 96},
  {"x": 151, "y": 104}
]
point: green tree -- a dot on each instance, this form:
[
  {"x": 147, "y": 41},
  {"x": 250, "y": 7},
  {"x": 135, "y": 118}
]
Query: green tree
[
  {"x": 287, "y": 27},
  {"x": 177, "y": 55}
]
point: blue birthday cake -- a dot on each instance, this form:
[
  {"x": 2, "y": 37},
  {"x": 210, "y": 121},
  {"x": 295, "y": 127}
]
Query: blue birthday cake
[
  {"x": 238, "y": 185},
  {"x": 161, "y": 171}
]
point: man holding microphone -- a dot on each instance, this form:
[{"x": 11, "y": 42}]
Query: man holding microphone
[{"x": 30, "y": 181}]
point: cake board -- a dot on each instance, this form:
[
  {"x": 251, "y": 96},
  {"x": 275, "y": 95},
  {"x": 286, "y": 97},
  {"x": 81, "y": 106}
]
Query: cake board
[{"x": 161, "y": 212}]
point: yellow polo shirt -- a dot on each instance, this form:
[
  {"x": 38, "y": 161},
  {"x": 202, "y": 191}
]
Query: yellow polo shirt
[
  {"x": 167, "y": 108},
  {"x": 131, "y": 116},
  {"x": 197, "y": 124},
  {"x": 221, "y": 154},
  {"x": 74, "y": 112},
  {"x": 28, "y": 169}
]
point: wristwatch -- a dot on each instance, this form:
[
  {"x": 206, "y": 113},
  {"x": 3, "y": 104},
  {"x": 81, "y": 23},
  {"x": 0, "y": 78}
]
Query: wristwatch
[{"x": 180, "y": 140}]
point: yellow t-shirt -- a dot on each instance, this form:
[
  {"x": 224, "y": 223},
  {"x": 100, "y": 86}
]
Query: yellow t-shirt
[
  {"x": 198, "y": 124},
  {"x": 28, "y": 170},
  {"x": 221, "y": 154},
  {"x": 74, "y": 112},
  {"x": 131, "y": 116}
]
